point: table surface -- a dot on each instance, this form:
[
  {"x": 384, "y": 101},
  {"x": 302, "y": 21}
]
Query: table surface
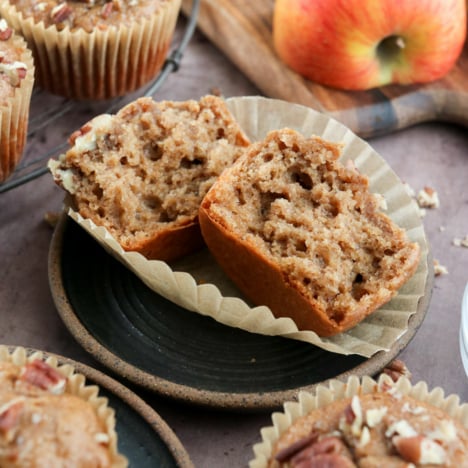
[{"x": 432, "y": 154}]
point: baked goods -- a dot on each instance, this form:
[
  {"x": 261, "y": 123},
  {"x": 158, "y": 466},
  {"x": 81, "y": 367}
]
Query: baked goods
[
  {"x": 301, "y": 233},
  {"x": 16, "y": 83},
  {"x": 94, "y": 49},
  {"x": 48, "y": 417},
  {"x": 143, "y": 172},
  {"x": 381, "y": 428}
]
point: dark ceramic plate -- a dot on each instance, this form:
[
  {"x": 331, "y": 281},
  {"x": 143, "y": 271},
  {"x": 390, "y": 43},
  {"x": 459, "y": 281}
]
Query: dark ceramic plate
[
  {"x": 143, "y": 436},
  {"x": 183, "y": 355}
]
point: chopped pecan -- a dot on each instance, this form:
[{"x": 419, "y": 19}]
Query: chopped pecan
[
  {"x": 21, "y": 72},
  {"x": 15, "y": 71},
  {"x": 5, "y": 30},
  {"x": 419, "y": 450},
  {"x": 328, "y": 452},
  {"x": 60, "y": 12},
  {"x": 83, "y": 130},
  {"x": 353, "y": 415},
  {"x": 349, "y": 415},
  {"x": 10, "y": 414},
  {"x": 288, "y": 452},
  {"x": 106, "y": 10},
  {"x": 396, "y": 369},
  {"x": 40, "y": 374},
  {"x": 428, "y": 198}
]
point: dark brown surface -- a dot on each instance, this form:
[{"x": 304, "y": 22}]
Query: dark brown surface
[
  {"x": 94, "y": 294},
  {"x": 242, "y": 30},
  {"x": 431, "y": 154}
]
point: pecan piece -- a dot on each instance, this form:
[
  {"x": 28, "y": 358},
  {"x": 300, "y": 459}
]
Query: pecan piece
[
  {"x": 21, "y": 72},
  {"x": 397, "y": 369},
  {"x": 9, "y": 414},
  {"x": 40, "y": 374},
  {"x": 286, "y": 453},
  {"x": 106, "y": 10},
  {"x": 5, "y": 31},
  {"x": 83, "y": 130},
  {"x": 419, "y": 450},
  {"x": 60, "y": 12},
  {"x": 328, "y": 452}
]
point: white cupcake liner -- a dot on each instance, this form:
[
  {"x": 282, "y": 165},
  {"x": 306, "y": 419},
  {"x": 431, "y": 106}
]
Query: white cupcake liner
[{"x": 198, "y": 284}]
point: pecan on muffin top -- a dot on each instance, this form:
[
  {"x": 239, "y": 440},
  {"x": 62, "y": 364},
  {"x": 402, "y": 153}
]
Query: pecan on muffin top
[
  {"x": 12, "y": 69},
  {"x": 87, "y": 15}
]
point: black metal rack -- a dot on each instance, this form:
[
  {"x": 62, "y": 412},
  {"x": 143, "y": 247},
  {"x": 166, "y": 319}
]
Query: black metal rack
[{"x": 31, "y": 168}]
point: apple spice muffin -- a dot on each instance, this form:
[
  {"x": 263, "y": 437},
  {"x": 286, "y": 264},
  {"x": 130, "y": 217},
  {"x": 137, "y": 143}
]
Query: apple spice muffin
[
  {"x": 299, "y": 232},
  {"x": 94, "y": 49},
  {"x": 51, "y": 419},
  {"x": 143, "y": 172},
  {"x": 16, "y": 84},
  {"x": 382, "y": 428}
]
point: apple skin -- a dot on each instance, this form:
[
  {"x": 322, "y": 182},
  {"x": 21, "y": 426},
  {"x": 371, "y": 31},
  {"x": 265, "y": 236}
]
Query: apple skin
[{"x": 336, "y": 42}]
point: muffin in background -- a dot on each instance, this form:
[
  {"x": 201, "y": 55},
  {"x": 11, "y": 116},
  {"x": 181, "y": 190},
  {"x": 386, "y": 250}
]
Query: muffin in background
[
  {"x": 50, "y": 417},
  {"x": 16, "y": 84},
  {"x": 367, "y": 423},
  {"x": 94, "y": 50}
]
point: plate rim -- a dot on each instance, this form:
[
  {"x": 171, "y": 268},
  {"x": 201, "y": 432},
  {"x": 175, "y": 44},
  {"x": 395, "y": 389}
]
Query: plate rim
[
  {"x": 252, "y": 401},
  {"x": 129, "y": 397}
]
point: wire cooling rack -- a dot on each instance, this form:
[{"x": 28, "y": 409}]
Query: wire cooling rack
[{"x": 47, "y": 109}]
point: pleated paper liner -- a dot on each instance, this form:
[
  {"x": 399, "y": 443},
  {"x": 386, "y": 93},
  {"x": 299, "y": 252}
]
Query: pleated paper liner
[
  {"x": 75, "y": 385},
  {"x": 14, "y": 114},
  {"x": 197, "y": 283},
  {"x": 101, "y": 64},
  {"x": 336, "y": 390}
]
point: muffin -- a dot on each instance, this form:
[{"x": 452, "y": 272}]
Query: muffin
[
  {"x": 16, "y": 84},
  {"x": 94, "y": 49},
  {"x": 367, "y": 424},
  {"x": 300, "y": 232},
  {"x": 49, "y": 417},
  {"x": 143, "y": 172}
]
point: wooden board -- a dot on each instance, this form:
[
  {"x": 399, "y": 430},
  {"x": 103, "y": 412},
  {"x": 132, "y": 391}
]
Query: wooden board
[{"x": 242, "y": 30}]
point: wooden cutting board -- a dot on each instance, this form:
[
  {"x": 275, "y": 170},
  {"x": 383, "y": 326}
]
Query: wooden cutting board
[{"x": 242, "y": 29}]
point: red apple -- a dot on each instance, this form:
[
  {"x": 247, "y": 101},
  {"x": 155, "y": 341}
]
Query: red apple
[{"x": 362, "y": 44}]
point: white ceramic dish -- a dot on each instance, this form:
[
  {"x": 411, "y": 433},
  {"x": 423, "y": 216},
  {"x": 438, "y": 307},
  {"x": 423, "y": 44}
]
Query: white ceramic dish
[{"x": 464, "y": 330}]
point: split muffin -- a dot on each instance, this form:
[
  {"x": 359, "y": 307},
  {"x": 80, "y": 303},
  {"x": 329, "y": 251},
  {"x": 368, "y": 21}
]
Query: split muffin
[
  {"x": 300, "y": 232},
  {"x": 143, "y": 172}
]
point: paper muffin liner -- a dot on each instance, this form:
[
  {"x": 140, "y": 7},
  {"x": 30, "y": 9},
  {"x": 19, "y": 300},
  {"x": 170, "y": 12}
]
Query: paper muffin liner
[
  {"x": 14, "y": 114},
  {"x": 336, "y": 390},
  {"x": 75, "y": 385},
  {"x": 101, "y": 64},
  {"x": 197, "y": 283}
]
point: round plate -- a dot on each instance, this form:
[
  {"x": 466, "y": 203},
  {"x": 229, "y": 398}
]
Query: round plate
[
  {"x": 180, "y": 354},
  {"x": 143, "y": 436}
]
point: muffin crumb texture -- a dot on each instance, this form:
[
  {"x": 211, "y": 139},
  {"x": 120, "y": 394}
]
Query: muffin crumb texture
[
  {"x": 289, "y": 206},
  {"x": 143, "y": 172},
  {"x": 371, "y": 431}
]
